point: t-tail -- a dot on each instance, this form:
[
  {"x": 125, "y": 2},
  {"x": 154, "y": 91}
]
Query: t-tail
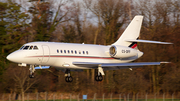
[
  {"x": 130, "y": 36},
  {"x": 131, "y": 32}
]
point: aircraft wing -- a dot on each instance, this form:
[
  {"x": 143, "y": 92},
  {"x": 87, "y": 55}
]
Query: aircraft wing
[
  {"x": 42, "y": 67},
  {"x": 116, "y": 65}
]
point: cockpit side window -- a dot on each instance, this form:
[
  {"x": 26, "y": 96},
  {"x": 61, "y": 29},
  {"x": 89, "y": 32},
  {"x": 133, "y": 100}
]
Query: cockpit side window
[
  {"x": 31, "y": 47},
  {"x": 26, "y": 48},
  {"x": 22, "y": 47},
  {"x": 35, "y": 48}
]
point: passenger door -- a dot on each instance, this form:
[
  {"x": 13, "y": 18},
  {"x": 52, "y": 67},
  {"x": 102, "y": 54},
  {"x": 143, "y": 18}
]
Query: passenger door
[{"x": 46, "y": 53}]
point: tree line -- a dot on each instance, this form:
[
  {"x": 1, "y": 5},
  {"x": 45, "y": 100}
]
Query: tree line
[{"x": 91, "y": 22}]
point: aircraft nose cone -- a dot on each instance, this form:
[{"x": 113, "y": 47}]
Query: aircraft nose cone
[
  {"x": 10, "y": 57},
  {"x": 14, "y": 57}
]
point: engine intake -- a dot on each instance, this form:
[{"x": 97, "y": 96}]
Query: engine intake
[{"x": 122, "y": 52}]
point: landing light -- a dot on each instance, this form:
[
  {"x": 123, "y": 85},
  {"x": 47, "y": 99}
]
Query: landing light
[
  {"x": 66, "y": 65},
  {"x": 22, "y": 64}
]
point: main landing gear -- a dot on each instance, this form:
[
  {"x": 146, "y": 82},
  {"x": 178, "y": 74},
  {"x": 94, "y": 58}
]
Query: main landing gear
[
  {"x": 98, "y": 77},
  {"x": 99, "y": 74},
  {"x": 68, "y": 77},
  {"x": 32, "y": 70}
]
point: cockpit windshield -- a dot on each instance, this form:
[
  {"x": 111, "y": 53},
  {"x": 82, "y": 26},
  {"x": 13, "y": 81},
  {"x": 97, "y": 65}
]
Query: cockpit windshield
[
  {"x": 26, "y": 48},
  {"x": 29, "y": 47},
  {"x": 35, "y": 48},
  {"x": 22, "y": 47}
]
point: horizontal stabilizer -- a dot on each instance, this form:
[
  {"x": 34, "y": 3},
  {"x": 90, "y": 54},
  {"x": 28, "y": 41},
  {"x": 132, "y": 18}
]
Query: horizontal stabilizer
[
  {"x": 148, "y": 41},
  {"x": 42, "y": 67}
]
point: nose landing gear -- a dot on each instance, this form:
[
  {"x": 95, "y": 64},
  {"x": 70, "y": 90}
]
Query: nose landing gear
[{"x": 32, "y": 70}]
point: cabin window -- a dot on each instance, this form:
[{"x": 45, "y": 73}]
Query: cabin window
[
  {"x": 26, "y": 47},
  {"x": 31, "y": 47},
  {"x": 72, "y": 51},
  {"x": 35, "y": 48}
]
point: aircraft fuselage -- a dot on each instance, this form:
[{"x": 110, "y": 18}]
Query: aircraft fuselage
[{"x": 62, "y": 55}]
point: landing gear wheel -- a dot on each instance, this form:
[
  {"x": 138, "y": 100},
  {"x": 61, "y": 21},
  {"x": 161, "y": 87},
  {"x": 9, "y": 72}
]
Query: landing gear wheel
[
  {"x": 68, "y": 79},
  {"x": 99, "y": 78},
  {"x": 31, "y": 76}
]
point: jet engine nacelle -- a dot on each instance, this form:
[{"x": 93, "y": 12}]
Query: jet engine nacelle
[{"x": 122, "y": 52}]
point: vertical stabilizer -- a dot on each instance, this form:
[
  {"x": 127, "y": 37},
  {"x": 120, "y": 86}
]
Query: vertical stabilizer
[{"x": 132, "y": 32}]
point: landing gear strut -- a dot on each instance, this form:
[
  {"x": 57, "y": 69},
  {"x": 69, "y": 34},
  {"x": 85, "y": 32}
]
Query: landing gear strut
[
  {"x": 32, "y": 70},
  {"x": 99, "y": 73},
  {"x": 68, "y": 77}
]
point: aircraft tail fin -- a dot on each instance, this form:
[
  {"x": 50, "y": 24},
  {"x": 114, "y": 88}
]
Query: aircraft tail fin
[
  {"x": 130, "y": 36},
  {"x": 131, "y": 32}
]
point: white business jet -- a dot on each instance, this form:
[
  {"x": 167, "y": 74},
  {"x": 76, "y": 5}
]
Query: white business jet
[{"x": 69, "y": 56}]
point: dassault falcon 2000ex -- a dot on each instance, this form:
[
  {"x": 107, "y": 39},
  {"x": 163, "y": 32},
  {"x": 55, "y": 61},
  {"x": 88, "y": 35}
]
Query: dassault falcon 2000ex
[{"x": 69, "y": 56}]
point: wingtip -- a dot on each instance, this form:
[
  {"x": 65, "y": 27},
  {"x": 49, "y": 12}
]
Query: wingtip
[
  {"x": 167, "y": 43},
  {"x": 139, "y": 16},
  {"x": 165, "y": 62}
]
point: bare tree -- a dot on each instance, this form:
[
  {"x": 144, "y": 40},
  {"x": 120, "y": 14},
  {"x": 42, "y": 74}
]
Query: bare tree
[
  {"x": 156, "y": 25},
  {"x": 110, "y": 14},
  {"x": 20, "y": 77},
  {"x": 46, "y": 16}
]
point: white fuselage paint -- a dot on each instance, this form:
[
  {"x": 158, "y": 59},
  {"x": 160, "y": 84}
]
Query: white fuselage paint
[{"x": 49, "y": 54}]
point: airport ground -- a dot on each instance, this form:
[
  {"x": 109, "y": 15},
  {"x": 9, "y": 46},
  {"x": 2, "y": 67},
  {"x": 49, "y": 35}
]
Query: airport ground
[{"x": 57, "y": 96}]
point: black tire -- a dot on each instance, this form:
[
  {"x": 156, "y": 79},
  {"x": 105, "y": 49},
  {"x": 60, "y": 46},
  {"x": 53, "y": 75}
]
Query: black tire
[
  {"x": 31, "y": 76},
  {"x": 68, "y": 79},
  {"x": 96, "y": 78},
  {"x": 99, "y": 78}
]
